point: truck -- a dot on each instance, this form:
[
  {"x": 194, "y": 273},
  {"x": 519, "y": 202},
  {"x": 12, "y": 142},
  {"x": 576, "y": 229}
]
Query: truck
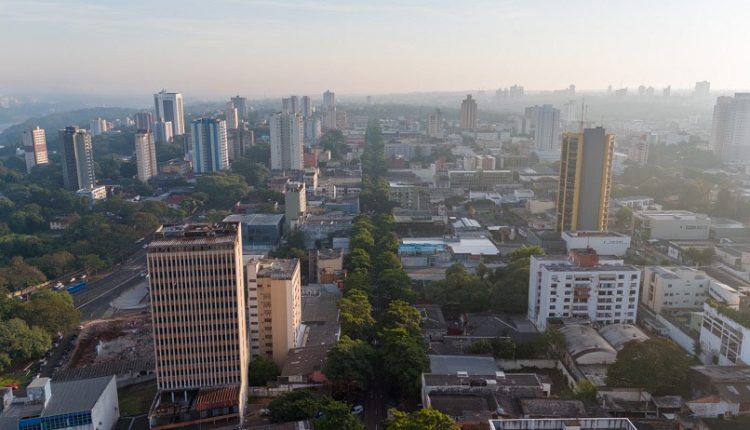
[{"x": 75, "y": 287}]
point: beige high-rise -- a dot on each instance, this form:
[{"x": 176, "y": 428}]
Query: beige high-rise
[
  {"x": 468, "y": 113},
  {"x": 274, "y": 307},
  {"x": 145, "y": 155},
  {"x": 198, "y": 307}
]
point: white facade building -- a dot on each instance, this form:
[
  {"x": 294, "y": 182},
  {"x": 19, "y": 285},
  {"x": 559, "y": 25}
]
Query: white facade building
[
  {"x": 674, "y": 288},
  {"x": 584, "y": 286},
  {"x": 723, "y": 340},
  {"x": 168, "y": 107},
  {"x": 603, "y": 242},
  {"x": 35, "y": 147},
  {"x": 145, "y": 156},
  {"x": 547, "y": 133},
  {"x": 98, "y": 126},
  {"x": 673, "y": 225},
  {"x": 287, "y": 136},
  {"x": 210, "y": 147}
]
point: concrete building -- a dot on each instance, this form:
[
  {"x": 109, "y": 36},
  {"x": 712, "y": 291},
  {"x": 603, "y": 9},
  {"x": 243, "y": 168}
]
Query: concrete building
[
  {"x": 674, "y": 288},
  {"x": 672, "y": 225},
  {"x": 240, "y": 103},
  {"x": 145, "y": 155},
  {"x": 730, "y": 129},
  {"x": 34, "y": 147},
  {"x": 306, "y": 108},
  {"x": 239, "y": 142},
  {"x": 724, "y": 339},
  {"x": 435, "y": 124},
  {"x": 583, "y": 285},
  {"x": 77, "y": 159},
  {"x": 232, "y": 116},
  {"x": 547, "y": 131},
  {"x": 98, "y": 126},
  {"x": 702, "y": 89},
  {"x": 326, "y": 266},
  {"x": 295, "y": 203},
  {"x": 468, "y": 113},
  {"x": 163, "y": 131},
  {"x": 144, "y": 121},
  {"x": 274, "y": 307},
  {"x": 197, "y": 288},
  {"x": 210, "y": 147},
  {"x": 563, "y": 424},
  {"x": 84, "y": 404},
  {"x": 329, "y": 110},
  {"x": 604, "y": 243},
  {"x": 408, "y": 196},
  {"x": 585, "y": 180},
  {"x": 94, "y": 193},
  {"x": 261, "y": 233},
  {"x": 168, "y": 108},
  {"x": 287, "y": 136}
]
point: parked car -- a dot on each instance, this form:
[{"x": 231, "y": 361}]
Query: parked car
[{"x": 356, "y": 410}]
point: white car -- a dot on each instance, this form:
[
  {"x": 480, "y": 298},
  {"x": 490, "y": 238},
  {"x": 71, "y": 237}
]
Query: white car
[{"x": 358, "y": 409}]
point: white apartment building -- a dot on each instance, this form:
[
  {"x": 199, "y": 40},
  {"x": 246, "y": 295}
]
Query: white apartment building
[
  {"x": 673, "y": 225},
  {"x": 145, "y": 155},
  {"x": 547, "y": 132},
  {"x": 674, "y": 287},
  {"x": 603, "y": 242},
  {"x": 35, "y": 147},
  {"x": 287, "y": 137},
  {"x": 168, "y": 107},
  {"x": 724, "y": 341},
  {"x": 583, "y": 285},
  {"x": 274, "y": 304}
]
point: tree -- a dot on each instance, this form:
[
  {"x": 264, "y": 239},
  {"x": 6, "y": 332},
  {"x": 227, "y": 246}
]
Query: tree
[
  {"x": 262, "y": 371},
  {"x": 401, "y": 314},
  {"x": 255, "y": 173},
  {"x": 337, "y": 416},
  {"x": 19, "y": 342},
  {"x": 359, "y": 279},
  {"x": 334, "y": 141},
  {"x": 499, "y": 348},
  {"x": 355, "y": 314},
  {"x": 55, "y": 264},
  {"x": 404, "y": 358},
  {"x": 91, "y": 263},
  {"x": 585, "y": 391},
  {"x": 357, "y": 259},
  {"x": 657, "y": 365},
  {"x": 393, "y": 284},
  {"x": 349, "y": 364},
  {"x": 19, "y": 275},
  {"x": 387, "y": 260},
  {"x": 423, "y": 419},
  {"x": 362, "y": 239},
  {"x": 223, "y": 189},
  {"x": 294, "y": 406},
  {"x": 726, "y": 203},
  {"x": 50, "y": 310},
  {"x": 623, "y": 217}
]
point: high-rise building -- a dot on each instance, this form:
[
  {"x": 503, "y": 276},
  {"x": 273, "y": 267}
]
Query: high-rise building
[
  {"x": 468, "y": 113},
  {"x": 295, "y": 203},
  {"x": 667, "y": 91},
  {"x": 241, "y": 104},
  {"x": 341, "y": 120},
  {"x": 35, "y": 147},
  {"x": 585, "y": 180},
  {"x": 168, "y": 107},
  {"x": 604, "y": 290},
  {"x": 163, "y": 131},
  {"x": 730, "y": 130},
  {"x": 547, "y": 132},
  {"x": 144, "y": 120},
  {"x": 98, "y": 126},
  {"x": 233, "y": 117},
  {"x": 312, "y": 130},
  {"x": 307, "y": 108},
  {"x": 329, "y": 110},
  {"x": 209, "y": 142},
  {"x": 515, "y": 92},
  {"x": 435, "y": 124},
  {"x": 274, "y": 307},
  {"x": 286, "y": 141},
  {"x": 145, "y": 155},
  {"x": 197, "y": 288},
  {"x": 702, "y": 89},
  {"x": 77, "y": 159},
  {"x": 239, "y": 140}
]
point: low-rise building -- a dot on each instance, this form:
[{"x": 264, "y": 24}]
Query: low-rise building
[
  {"x": 674, "y": 288},
  {"x": 85, "y": 404},
  {"x": 724, "y": 335},
  {"x": 260, "y": 232},
  {"x": 408, "y": 196},
  {"x": 563, "y": 424},
  {"x": 603, "y": 242},
  {"x": 723, "y": 391},
  {"x": 672, "y": 225},
  {"x": 326, "y": 266},
  {"x": 635, "y": 202},
  {"x": 583, "y": 285},
  {"x": 93, "y": 193}
]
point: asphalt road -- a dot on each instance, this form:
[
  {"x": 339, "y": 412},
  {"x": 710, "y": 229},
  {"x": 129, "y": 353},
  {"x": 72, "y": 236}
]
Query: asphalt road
[
  {"x": 376, "y": 406},
  {"x": 93, "y": 301}
]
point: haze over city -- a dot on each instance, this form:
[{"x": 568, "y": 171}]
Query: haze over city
[{"x": 266, "y": 48}]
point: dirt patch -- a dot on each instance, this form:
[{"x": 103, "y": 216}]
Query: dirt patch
[{"x": 106, "y": 341}]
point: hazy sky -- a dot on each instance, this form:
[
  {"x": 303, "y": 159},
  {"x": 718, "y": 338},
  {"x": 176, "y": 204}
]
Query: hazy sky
[{"x": 269, "y": 47}]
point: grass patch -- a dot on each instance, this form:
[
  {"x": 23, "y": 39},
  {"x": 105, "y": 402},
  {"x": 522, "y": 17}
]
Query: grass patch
[{"x": 136, "y": 399}]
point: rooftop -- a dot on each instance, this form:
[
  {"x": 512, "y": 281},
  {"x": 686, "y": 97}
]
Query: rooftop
[
  {"x": 673, "y": 215},
  {"x": 472, "y": 365},
  {"x": 277, "y": 268},
  {"x": 256, "y": 219},
  {"x": 462, "y": 245},
  {"x": 304, "y": 361},
  {"x": 194, "y": 234},
  {"x": 619, "y": 334},
  {"x": 553, "y": 408},
  {"x": 563, "y": 424}
]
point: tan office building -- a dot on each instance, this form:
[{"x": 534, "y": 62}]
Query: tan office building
[
  {"x": 198, "y": 307},
  {"x": 585, "y": 180},
  {"x": 468, "y": 113},
  {"x": 274, "y": 307}
]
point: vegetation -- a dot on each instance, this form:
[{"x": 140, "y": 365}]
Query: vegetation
[
  {"x": 657, "y": 365},
  {"x": 262, "y": 371},
  {"x": 302, "y": 405},
  {"x": 334, "y": 141},
  {"x": 423, "y": 419},
  {"x": 350, "y": 365}
]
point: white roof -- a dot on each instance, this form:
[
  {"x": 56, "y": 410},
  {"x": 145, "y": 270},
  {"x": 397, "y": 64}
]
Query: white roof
[{"x": 472, "y": 246}]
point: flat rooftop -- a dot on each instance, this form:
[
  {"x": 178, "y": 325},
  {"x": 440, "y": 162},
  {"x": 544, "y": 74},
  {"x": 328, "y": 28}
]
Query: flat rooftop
[
  {"x": 563, "y": 423},
  {"x": 675, "y": 215},
  {"x": 451, "y": 364},
  {"x": 256, "y": 219},
  {"x": 277, "y": 268},
  {"x": 194, "y": 234}
]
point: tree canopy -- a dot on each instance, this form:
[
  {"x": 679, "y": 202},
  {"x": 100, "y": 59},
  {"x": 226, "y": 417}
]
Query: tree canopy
[{"x": 657, "y": 365}]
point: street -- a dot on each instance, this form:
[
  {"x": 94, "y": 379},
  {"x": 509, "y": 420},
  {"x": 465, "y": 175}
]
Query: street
[{"x": 376, "y": 408}]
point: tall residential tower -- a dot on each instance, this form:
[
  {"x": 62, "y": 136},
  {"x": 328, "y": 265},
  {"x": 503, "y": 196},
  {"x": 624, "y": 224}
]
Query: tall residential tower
[
  {"x": 35, "y": 147},
  {"x": 287, "y": 131},
  {"x": 168, "y": 107},
  {"x": 209, "y": 141},
  {"x": 145, "y": 155},
  {"x": 468, "y": 113},
  {"x": 77, "y": 159}
]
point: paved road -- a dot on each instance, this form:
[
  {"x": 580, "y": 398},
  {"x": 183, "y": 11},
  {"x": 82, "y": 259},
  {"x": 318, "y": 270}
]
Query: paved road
[
  {"x": 93, "y": 301},
  {"x": 376, "y": 408}
]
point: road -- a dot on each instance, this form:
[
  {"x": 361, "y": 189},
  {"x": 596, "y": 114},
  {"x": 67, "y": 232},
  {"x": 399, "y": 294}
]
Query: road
[
  {"x": 376, "y": 406},
  {"x": 93, "y": 301}
]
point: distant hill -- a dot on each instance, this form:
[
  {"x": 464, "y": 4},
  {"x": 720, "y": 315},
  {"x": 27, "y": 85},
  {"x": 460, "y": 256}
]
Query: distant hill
[{"x": 11, "y": 137}]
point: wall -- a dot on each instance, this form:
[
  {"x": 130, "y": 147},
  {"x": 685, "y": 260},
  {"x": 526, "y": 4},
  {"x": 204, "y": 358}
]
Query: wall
[
  {"x": 106, "y": 410},
  {"x": 686, "y": 342}
]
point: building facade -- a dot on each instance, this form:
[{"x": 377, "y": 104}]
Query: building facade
[
  {"x": 274, "y": 307},
  {"x": 209, "y": 141},
  {"x": 583, "y": 286},
  {"x": 77, "y": 159},
  {"x": 295, "y": 203},
  {"x": 197, "y": 289},
  {"x": 724, "y": 341},
  {"x": 672, "y": 225},
  {"x": 287, "y": 135},
  {"x": 547, "y": 132},
  {"x": 145, "y": 155},
  {"x": 241, "y": 104},
  {"x": 468, "y": 113},
  {"x": 144, "y": 120},
  {"x": 730, "y": 128},
  {"x": 35, "y": 147},
  {"x": 674, "y": 288},
  {"x": 585, "y": 180},
  {"x": 168, "y": 108}
]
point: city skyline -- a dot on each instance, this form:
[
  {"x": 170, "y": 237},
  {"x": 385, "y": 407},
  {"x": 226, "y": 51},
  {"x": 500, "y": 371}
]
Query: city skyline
[{"x": 623, "y": 45}]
